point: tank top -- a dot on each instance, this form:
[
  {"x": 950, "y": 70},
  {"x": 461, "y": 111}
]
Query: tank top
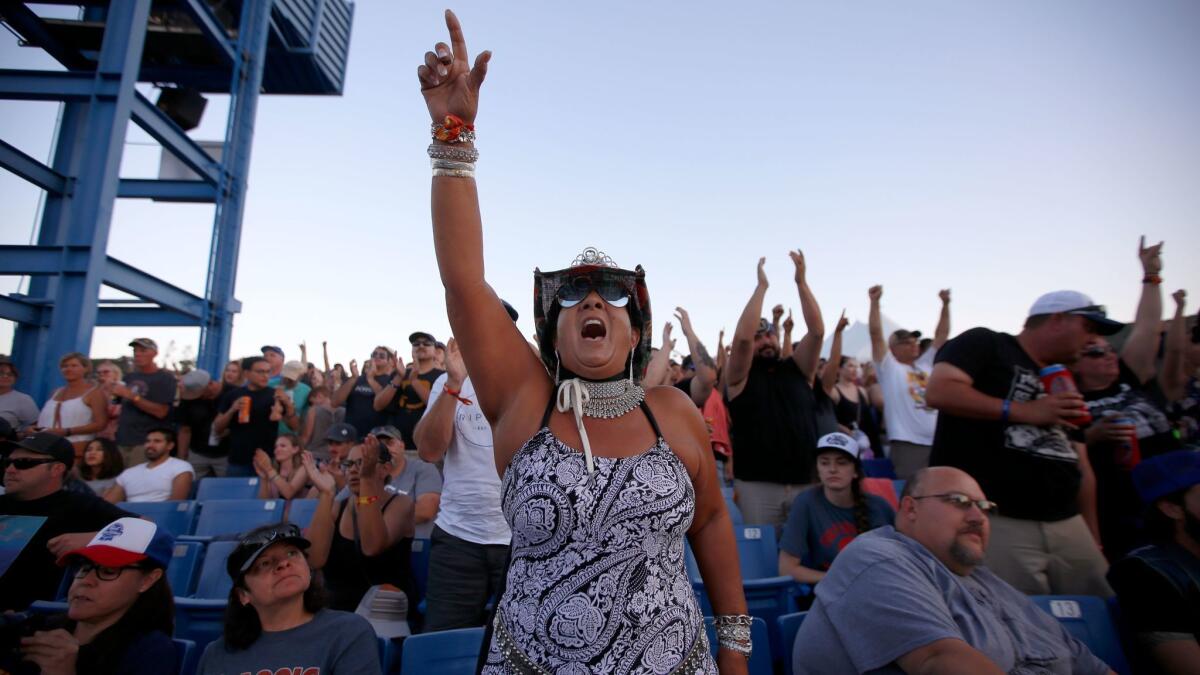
[
  {"x": 67, "y": 414},
  {"x": 596, "y": 582},
  {"x": 349, "y": 573}
]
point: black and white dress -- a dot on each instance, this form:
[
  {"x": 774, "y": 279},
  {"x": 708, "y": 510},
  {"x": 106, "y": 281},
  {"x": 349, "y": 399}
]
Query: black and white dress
[{"x": 597, "y": 582}]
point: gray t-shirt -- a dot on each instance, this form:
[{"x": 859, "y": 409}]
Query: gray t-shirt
[
  {"x": 333, "y": 643},
  {"x": 157, "y": 387},
  {"x": 886, "y": 595},
  {"x": 18, "y": 408},
  {"x": 323, "y": 419}
]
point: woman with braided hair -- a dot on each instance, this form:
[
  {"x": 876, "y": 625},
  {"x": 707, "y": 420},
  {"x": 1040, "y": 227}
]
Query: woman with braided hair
[
  {"x": 601, "y": 479},
  {"x": 828, "y": 516}
]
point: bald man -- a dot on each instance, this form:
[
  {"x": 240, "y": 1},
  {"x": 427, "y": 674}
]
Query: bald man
[{"x": 915, "y": 599}]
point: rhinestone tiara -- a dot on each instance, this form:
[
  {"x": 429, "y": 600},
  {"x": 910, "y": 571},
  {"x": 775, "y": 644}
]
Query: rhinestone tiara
[{"x": 593, "y": 256}]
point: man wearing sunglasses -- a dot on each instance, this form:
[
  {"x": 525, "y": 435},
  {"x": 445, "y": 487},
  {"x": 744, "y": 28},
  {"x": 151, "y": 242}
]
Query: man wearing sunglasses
[
  {"x": 34, "y": 470},
  {"x": 405, "y": 397},
  {"x": 916, "y": 598},
  {"x": 997, "y": 422}
]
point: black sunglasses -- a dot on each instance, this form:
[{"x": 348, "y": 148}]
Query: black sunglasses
[
  {"x": 26, "y": 463},
  {"x": 574, "y": 291},
  {"x": 1098, "y": 352},
  {"x": 423, "y": 343}
]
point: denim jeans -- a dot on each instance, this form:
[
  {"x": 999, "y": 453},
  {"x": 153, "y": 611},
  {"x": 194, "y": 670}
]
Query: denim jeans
[{"x": 463, "y": 576}]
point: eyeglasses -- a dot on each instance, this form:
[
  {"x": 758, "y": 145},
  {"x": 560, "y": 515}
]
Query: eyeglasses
[
  {"x": 963, "y": 502},
  {"x": 381, "y": 355},
  {"x": 574, "y": 291},
  {"x": 26, "y": 463},
  {"x": 1098, "y": 352},
  {"x": 103, "y": 572},
  {"x": 347, "y": 463},
  {"x": 260, "y": 371}
]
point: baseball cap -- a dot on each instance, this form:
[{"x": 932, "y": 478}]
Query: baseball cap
[
  {"x": 192, "y": 385},
  {"x": 1166, "y": 474},
  {"x": 387, "y": 430},
  {"x": 386, "y": 608},
  {"x": 292, "y": 370},
  {"x": 902, "y": 334},
  {"x": 258, "y": 540},
  {"x": 342, "y": 433},
  {"x": 127, "y": 541},
  {"x": 1074, "y": 302},
  {"x": 839, "y": 442},
  {"x": 46, "y": 443},
  {"x": 765, "y": 326},
  {"x": 6, "y": 361},
  {"x": 420, "y": 335},
  {"x": 144, "y": 342},
  {"x": 271, "y": 348}
]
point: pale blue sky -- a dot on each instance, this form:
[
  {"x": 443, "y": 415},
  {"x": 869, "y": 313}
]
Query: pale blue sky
[{"x": 1000, "y": 149}]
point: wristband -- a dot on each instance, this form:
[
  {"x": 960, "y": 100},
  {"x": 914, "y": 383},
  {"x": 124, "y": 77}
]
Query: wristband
[
  {"x": 453, "y": 130},
  {"x": 366, "y": 501},
  {"x": 456, "y": 393},
  {"x": 273, "y": 476},
  {"x": 137, "y": 397},
  {"x": 1005, "y": 409},
  {"x": 1152, "y": 279}
]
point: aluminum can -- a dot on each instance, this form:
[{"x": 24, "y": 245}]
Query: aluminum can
[{"x": 1056, "y": 378}]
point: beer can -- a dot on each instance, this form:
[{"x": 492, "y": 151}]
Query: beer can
[
  {"x": 1055, "y": 379},
  {"x": 244, "y": 413}
]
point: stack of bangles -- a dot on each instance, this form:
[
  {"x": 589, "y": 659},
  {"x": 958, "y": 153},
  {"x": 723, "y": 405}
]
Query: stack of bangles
[
  {"x": 733, "y": 632},
  {"x": 448, "y": 160}
]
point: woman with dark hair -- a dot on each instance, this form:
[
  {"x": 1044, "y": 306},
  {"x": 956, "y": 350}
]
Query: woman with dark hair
[
  {"x": 102, "y": 463},
  {"x": 276, "y": 618},
  {"x": 851, "y": 404},
  {"x": 120, "y": 612},
  {"x": 828, "y": 516},
  {"x": 602, "y": 479}
]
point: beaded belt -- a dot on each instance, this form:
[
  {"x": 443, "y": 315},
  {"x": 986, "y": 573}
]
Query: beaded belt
[{"x": 516, "y": 659}]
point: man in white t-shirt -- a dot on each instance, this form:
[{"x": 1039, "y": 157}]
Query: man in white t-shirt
[
  {"x": 160, "y": 478},
  {"x": 903, "y": 373},
  {"x": 470, "y": 538}
]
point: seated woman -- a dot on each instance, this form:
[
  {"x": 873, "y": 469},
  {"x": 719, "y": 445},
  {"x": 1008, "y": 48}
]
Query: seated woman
[
  {"x": 827, "y": 517},
  {"x": 365, "y": 539},
  {"x": 286, "y": 477},
  {"x": 120, "y": 612},
  {"x": 276, "y": 621},
  {"x": 102, "y": 463}
]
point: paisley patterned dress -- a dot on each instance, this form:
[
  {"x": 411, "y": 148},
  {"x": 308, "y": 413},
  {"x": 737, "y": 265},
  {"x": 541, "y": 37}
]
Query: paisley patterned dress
[{"x": 596, "y": 582}]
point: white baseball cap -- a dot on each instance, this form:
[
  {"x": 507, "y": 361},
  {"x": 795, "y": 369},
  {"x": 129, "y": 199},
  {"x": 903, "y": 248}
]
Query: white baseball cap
[{"x": 1074, "y": 302}]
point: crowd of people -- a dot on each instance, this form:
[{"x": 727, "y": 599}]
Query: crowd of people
[{"x": 559, "y": 482}]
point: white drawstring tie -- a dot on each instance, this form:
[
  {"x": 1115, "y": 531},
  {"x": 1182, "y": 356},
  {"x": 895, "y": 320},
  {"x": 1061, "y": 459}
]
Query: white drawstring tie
[{"x": 572, "y": 395}]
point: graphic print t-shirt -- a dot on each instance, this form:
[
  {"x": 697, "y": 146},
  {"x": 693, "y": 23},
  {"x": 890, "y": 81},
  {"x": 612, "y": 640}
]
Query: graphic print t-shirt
[
  {"x": 907, "y": 416},
  {"x": 1031, "y": 472},
  {"x": 333, "y": 643}
]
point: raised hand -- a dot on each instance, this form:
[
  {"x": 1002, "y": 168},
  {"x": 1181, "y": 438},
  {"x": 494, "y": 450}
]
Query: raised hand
[
  {"x": 685, "y": 321},
  {"x": 797, "y": 257},
  {"x": 944, "y": 294},
  {"x": 777, "y": 312},
  {"x": 668, "y": 344},
  {"x": 874, "y": 293},
  {"x": 369, "y": 367},
  {"x": 788, "y": 323},
  {"x": 370, "y": 456},
  {"x": 842, "y": 323},
  {"x": 1151, "y": 256},
  {"x": 762, "y": 274},
  {"x": 353, "y": 368},
  {"x": 456, "y": 370},
  {"x": 1180, "y": 297},
  {"x": 448, "y": 82}
]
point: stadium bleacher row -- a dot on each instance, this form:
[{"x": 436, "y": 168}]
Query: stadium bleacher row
[{"x": 206, "y": 529}]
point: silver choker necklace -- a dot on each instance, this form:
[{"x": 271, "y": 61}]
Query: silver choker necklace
[{"x": 607, "y": 400}]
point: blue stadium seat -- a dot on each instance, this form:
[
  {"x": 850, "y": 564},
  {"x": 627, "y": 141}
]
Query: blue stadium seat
[
  {"x": 227, "y": 488},
  {"x": 789, "y": 625},
  {"x": 447, "y": 652},
  {"x": 760, "y": 656},
  {"x": 898, "y": 486},
  {"x": 186, "y": 656},
  {"x": 1088, "y": 619},
  {"x": 727, "y": 492},
  {"x": 874, "y": 468},
  {"x": 420, "y": 565},
  {"x": 201, "y": 616},
  {"x": 48, "y": 607},
  {"x": 234, "y": 516},
  {"x": 176, "y": 517},
  {"x": 300, "y": 511},
  {"x": 184, "y": 566},
  {"x": 735, "y": 514}
]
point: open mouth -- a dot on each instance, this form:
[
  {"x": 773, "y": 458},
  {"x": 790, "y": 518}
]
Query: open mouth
[{"x": 593, "y": 329}]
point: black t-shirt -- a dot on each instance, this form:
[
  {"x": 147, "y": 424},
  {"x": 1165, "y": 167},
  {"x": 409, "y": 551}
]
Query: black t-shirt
[
  {"x": 360, "y": 405},
  {"x": 34, "y": 574},
  {"x": 408, "y": 407},
  {"x": 259, "y": 432},
  {"x": 1031, "y": 472},
  {"x": 1159, "y": 591},
  {"x": 197, "y": 415},
  {"x": 773, "y": 425},
  {"x": 1141, "y": 402}
]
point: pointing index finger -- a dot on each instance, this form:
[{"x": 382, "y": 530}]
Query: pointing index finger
[{"x": 458, "y": 43}]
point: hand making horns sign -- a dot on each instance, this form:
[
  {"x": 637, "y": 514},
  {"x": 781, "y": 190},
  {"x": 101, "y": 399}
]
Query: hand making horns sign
[{"x": 449, "y": 84}]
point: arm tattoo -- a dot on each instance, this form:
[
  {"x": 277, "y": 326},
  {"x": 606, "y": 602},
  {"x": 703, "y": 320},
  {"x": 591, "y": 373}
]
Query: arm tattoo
[{"x": 702, "y": 356}]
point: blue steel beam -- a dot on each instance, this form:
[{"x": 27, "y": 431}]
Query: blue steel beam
[
  {"x": 46, "y": 85},
  {"x": 22, "y": 311},
  {"x": 32, "y": 260},
  {"x": 31, "y": 169},
  {"x": 212, "y": 29},
  {"x": 227, "y": 224},
  {"x": 143, "y": 316},
  {"x": 165, "y": 131},
  {"x": 33, "y": 30},
  {"x": 133, "y": 281},
  {"x": 196, "y": 191}
]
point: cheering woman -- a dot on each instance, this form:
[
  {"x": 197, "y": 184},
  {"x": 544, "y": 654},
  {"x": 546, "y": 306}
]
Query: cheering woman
[{"x": 601, "y": 479}]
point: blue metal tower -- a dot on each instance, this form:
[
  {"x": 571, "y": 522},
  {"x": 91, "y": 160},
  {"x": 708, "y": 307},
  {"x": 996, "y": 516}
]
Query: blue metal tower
[{"x": 238, "y": 47}]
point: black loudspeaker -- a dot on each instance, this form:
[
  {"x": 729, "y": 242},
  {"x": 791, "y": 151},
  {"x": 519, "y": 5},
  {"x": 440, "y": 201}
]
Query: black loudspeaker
[{"x": 183, "y": 105}]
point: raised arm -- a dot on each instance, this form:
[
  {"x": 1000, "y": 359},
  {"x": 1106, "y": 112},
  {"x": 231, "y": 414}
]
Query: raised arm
[
  {"x": 325, "y": 353},
  {"x": 660, "y": 362},
  {"x": 942, "y": 332},
  {"x": 343, "y": 392},
  {"x": 436, "y": 428},
  {"x": 741, "y": 355},
  {"x": 320, "y": 532},
  {"x": 379, "y": 530},
  {"x": 808, "y": 352},
  {"x": 830, "y": 376},
  {"x": 785, "y": 345},
  {"x": 1141, "y": 348},
  {"x": 875, "y": 325},
  {"x": 1174, "y": 377},
  {"x": 706, "y": 369}
]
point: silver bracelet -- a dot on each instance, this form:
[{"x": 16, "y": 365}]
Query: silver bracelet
[
  {"x": 454, "y": 173},
  {"x": 452, "y": 152},
  {"x": 743, "y": 648},
  {"x": 732, "y": 620},
  {"x": 450, "y": 164}
]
